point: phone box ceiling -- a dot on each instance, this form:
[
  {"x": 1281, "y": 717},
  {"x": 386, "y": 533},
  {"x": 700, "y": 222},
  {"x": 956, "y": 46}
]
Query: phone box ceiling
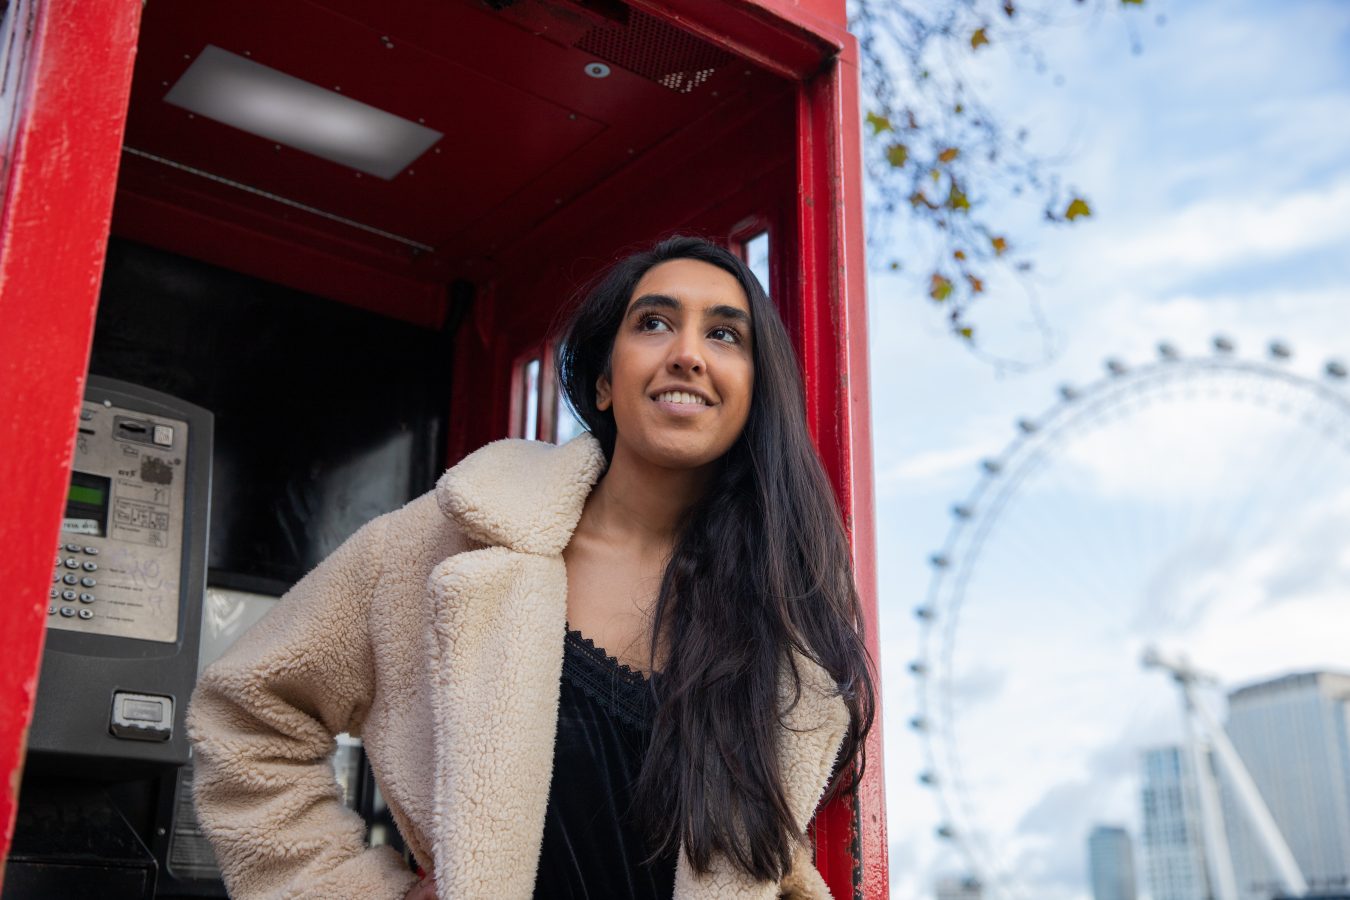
[{"x": 422, "y": 137}]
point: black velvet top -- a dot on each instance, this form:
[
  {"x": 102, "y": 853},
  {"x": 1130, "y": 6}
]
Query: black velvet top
[{"x": 593, "y": 848}]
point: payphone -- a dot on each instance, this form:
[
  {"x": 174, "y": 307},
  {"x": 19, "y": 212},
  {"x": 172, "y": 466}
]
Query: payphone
[
  {"x": 120, "y": 662},
  {"x": 124, "y": 616}
]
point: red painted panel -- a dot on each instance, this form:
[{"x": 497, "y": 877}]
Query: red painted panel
[
  {"x": 246, "y": 242},
  {"x": 68, "y": 107},
  {"x": 791, "y": 39},
  {"x": 834, "y": 344}
]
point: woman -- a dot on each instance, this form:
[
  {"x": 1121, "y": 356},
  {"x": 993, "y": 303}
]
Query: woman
[{"x": 692, "y": 534}]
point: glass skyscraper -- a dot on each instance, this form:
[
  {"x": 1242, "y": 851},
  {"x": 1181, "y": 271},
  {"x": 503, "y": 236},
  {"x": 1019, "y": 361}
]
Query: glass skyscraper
[
  {"x": 1173, "y": 846},
  {"x": 1111, "y": 863},
  {"x": 1293, "y": 734}
]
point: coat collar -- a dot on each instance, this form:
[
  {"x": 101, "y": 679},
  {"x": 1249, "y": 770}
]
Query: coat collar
[{"x": 526, "y": 496}]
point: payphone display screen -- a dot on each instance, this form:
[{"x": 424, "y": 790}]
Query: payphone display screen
[{"x": 87, "y": 505}]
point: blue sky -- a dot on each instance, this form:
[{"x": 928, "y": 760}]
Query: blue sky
[{"x": 1217, "y": 162}]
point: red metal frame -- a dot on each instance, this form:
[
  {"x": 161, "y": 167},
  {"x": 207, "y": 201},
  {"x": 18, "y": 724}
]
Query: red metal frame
[
  {"x": 67, "y": 104},
  {"x": 800, "y": 113}
]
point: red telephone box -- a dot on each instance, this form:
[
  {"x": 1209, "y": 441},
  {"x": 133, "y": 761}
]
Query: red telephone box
[{"x": 539, "y": 139}]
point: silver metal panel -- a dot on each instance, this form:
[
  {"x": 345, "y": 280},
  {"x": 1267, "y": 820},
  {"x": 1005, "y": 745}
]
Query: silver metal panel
[{"x": 133, "y": 555}]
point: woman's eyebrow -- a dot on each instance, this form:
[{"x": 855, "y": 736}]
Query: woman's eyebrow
[
  {"x": 654, "y": 301},
  {"x": 734, "y": 313}
]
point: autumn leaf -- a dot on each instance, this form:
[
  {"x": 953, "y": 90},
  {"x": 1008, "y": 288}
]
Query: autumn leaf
[
  {"x": 1009, "y": 8},
  {"x": 948, "y": 155},
  {"x": 1000, "y": 245},
  {"x": 956, "y": 200},
  {"x": 897, "y": 155},
  {"x": 959, "y": 254},
  {"x": 895, "y": 265},
  {"x": 978, "y": 39},
  {"x": 941, "y": 287},
  {"x": 976, "y": 285},
  {"x": 879, "y": 123},
  {"x": 935, "y": 175},
  {"x": 1077, "y": 208},
  {"x": 1131, "y": 2},
  {"x": 966, "y": 332},
  {"x": 918, "y": 199}
]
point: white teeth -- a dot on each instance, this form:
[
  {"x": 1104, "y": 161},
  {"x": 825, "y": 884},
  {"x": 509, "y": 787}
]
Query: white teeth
[{"x": 681, "y": 397}]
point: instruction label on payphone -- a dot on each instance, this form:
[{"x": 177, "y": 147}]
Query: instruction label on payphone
[{"x": 117, "y": 568}]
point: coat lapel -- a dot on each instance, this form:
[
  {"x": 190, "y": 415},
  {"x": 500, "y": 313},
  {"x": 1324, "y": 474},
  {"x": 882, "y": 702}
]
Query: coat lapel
[{"x": 496, "y": 657}]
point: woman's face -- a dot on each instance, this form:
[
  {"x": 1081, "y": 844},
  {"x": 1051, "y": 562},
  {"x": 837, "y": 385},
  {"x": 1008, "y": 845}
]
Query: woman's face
[{"x": 682, "y": 370}]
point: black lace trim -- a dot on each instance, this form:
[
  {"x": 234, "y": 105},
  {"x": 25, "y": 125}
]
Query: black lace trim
[{"x": 624, "y": 692}]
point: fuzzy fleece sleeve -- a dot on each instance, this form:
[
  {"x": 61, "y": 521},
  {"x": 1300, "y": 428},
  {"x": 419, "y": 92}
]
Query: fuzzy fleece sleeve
[{"x": 262, "y": 723}]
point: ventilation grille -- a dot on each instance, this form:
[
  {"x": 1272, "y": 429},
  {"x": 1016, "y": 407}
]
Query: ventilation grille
[{"x": 657, "y": 51}]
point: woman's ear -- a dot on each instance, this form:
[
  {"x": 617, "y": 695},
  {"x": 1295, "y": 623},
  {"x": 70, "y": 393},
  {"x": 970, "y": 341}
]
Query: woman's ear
[{"x": 603, "y": 394}]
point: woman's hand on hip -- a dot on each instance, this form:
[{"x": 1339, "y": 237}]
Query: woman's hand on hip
[{"x": 423, "y": 890}]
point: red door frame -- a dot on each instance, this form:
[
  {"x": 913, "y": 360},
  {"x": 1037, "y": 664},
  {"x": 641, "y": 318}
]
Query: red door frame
[
  {"x": 66, "y": 110},
  {"x": 70, "y": 79}
]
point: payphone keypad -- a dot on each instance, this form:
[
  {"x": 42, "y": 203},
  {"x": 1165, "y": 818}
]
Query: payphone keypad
[
  {"x": 116, "y": 571},
  {"x": 64, "y": 574}
]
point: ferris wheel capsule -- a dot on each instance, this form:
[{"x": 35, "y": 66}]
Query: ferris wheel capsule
[
  {"x": 918, "y": 723},
  {"x": 1223, "y": 344},
  {"x": 939, "y": 561},
  {"x": 918, "y": 668},
  {"x": 992, "y": 466},
  {"x": 1116, "y": 367},
  {"x": 1026, "y": 426},
  {"x": 924, "y": 613},
  {"x": 1068, "y": 392},
  {"x": 1336, "y": 369},
  {"x": 1280, "y": 351},
  {"x": 928, "y": 779},
  {"x": 961, "y": 511},
  {"x": 946, "y": 832},
  {"x": 1168, "y": 352}
]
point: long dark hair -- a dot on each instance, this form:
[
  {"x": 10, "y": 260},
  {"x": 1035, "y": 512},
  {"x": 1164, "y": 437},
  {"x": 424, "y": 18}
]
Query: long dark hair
[{"x": 760, "y": 567}]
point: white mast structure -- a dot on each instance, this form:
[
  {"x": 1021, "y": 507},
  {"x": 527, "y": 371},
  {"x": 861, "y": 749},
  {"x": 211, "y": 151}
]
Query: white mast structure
[{"x": 1203, "y": 733}]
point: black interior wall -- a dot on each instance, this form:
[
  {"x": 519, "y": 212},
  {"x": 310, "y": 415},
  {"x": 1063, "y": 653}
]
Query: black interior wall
[{"x": 326, "y": 415}]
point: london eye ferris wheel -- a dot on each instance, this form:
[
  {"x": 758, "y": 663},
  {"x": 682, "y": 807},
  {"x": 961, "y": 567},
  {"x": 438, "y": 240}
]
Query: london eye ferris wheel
[{"x": 1190, "y": 502}]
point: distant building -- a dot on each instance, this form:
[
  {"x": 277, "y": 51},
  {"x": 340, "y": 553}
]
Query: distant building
[
  {"x": 1293, "y": 734},
  {"x": 1173, "y": 846},
  {"x": 1111, "y": 863},
  {"x": 966, "y": 888}
]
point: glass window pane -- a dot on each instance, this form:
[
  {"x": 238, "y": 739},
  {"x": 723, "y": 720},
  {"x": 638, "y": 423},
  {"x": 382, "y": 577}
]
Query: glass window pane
[
  {"x": 531, "y": 388},
  {"x": 757, "y": 258},
  {"x": 567, "y": 425}
]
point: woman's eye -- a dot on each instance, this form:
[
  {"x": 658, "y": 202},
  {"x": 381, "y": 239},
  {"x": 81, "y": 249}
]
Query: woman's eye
[
  {"x": 725, "y": 334},
  {"x": 652, "y": 323}
]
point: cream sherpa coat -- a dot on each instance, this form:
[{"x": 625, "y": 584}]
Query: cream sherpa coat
[{"x": 436, "y": 634}]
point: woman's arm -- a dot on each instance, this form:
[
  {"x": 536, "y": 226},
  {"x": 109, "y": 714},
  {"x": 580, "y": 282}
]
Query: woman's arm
[{"x": 262, "y": 722}]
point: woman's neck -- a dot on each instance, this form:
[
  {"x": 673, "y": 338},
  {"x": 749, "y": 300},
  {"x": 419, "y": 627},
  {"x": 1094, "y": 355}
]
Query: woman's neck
[{"x": 637, "y": 502}]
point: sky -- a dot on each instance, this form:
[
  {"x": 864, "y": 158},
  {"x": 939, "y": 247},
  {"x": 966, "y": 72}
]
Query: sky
[{"x": 1197, "y": 507}]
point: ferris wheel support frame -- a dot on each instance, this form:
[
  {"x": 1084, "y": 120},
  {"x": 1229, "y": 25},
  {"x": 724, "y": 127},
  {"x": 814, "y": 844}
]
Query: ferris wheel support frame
[{"x": 1202, "y": 730}]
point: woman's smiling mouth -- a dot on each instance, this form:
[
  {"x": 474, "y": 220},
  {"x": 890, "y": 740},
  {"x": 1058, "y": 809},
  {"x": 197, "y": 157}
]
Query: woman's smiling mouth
[{"x": 681, "y": 398}]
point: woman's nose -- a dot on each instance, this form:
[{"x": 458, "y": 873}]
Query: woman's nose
[{"x": 685, "y": 357}]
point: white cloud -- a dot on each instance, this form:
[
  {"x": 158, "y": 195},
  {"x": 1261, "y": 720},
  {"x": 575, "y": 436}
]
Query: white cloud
[
  {"x": 929, "y": 465},
  {"x": 1238, "y": 230}
]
